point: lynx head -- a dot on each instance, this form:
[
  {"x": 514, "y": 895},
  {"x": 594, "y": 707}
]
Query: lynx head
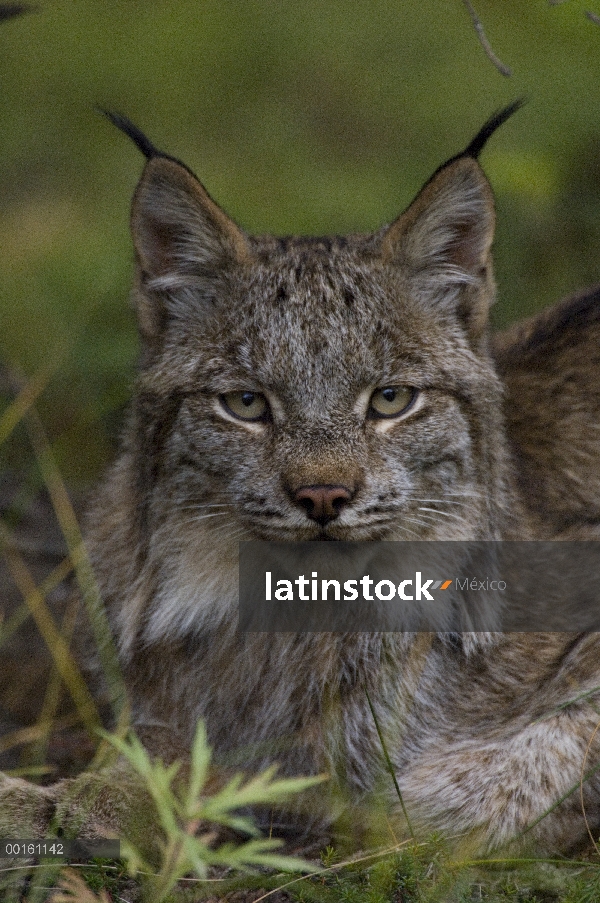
[{"x": 315, "y": 389}]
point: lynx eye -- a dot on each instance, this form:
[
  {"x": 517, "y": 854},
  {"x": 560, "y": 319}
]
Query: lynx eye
[
  {"x": 246, "y": 405},
  {"x": 391, "y": 401}
]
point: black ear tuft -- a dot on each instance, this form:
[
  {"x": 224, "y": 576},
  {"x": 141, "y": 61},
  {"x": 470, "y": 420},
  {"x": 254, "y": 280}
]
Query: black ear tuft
[
  {"x": 132, "y": 131},
  {"x": 10, "y": 10},
  {"x": 493, "y": 123},
  {"x": 473, "y": 150}
]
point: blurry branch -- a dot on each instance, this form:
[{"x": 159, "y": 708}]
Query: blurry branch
[
  {"x": 26, "y": 397},
  {"x": 487, "y": 47},
  {"x": 593, "y": 17},
  {"x": 60, "y": 573},
  {"x": 39, "y": 747},
  {"x": 36, "y": 732},
  {"x": 10, "y": 10},
  {"x": 65, "y": 670},
  {"x": 78, "y": 554}
]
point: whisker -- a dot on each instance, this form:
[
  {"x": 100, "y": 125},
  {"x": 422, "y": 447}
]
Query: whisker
[
  {"x": 205, "y": 516},
  {"x": 225, "y": 533},
  {"x": 425, "y": 519},
  {"x": 441, "y": 501},
  {"x": 192, "y": 506},
  {"x": 427, "y": 522},
  {"x": 450, "y": 514},
  {"x": 405, "y": 529}
]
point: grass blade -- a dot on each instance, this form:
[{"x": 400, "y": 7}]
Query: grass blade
[{"x": 390, "y": 767}]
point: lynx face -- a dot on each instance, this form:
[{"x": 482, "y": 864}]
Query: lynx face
[{"x": 318, "y": 389}]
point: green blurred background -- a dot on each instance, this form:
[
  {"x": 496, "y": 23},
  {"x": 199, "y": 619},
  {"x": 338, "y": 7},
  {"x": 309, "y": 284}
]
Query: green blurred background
[{"x": 300, "y": 116}]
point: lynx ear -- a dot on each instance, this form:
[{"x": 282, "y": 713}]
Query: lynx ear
[
  {"x": 183, "y": 240},
  {"x": 177, "y": 228},
  {"x": 444, "y": 239},
  {"x": 181, "y": 237}
]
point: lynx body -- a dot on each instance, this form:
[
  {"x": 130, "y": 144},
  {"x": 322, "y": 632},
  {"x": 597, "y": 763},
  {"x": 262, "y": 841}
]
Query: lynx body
[{"x": 348, "y": 388}]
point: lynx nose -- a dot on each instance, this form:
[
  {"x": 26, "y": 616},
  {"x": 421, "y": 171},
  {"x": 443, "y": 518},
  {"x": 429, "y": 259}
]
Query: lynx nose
[{"x": 322, "y": 503}]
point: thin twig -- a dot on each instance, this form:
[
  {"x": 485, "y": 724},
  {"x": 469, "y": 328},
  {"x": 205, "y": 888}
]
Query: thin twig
[
  {"x": 558, "y": 802},
  {"x": 334, "y": 868},
  {"x": 522, "y": 860},
  {"x": 581, "y": 782},
  {"x": 389, "y": 764},
  {"x": 593, "y": 17},
  {"x": 487, "y": 47},
  {"x": 58, "y": 864}
]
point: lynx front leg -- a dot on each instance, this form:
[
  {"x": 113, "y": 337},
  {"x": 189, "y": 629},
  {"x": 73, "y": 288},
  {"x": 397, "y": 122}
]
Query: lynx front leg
[
  {"x": 107, "y": 803},
  {"x": 498, "y": 739},
  {"x": 488, "y": 793}
]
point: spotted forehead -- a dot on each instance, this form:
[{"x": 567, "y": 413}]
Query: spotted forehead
[
  {"x": 322, "y": 278},
  {"x": 314, "y": 310}
]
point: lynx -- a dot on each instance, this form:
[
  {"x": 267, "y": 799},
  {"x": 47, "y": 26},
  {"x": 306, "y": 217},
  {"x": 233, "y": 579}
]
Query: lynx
[{"x": 348, "y": 388}]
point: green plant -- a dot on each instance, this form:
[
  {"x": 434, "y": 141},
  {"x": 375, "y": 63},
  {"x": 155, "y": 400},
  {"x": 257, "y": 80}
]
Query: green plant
[{"x": 184, "y": 809}]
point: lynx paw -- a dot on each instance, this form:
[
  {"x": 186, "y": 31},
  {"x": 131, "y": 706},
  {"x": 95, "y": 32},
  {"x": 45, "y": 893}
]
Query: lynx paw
[
  {"x": 110, "y": 803},
  {"x": 26, "y": 810}
]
